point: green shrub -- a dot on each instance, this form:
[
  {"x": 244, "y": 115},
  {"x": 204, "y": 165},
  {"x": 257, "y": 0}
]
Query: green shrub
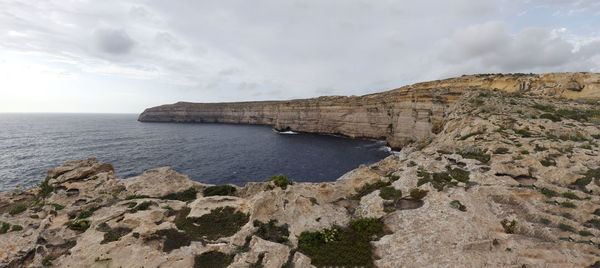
[
  {"x": 475, "y": 153},
  {"x": 553, "y": 117},
  {"x": 45, "y": 188},
  {"x": 567, "y": 204},
  {"x": 585, "y": 233},
  {"x": 4, "y": 228},
  {"x": 509, "y": 226},
  {"x": 548, "y": 193},
  {"x": 342, "y": 246},
  {"x": 17, "y": 208},
  {"x": 47, "y": 260},
  {"x": 418, "y": 194},
  {"x": 213, "y": 259},
  {"x": 79, "y": 225},
  {"x": 501, "y": 150},
  {"x": 143, "y": 206},
  {"x": 459, "y": 174},
  {"x": 16, "y": 228},
  {"x": 570, "y": 195},
  {"x": 523, "y": 132},
  {"x": 57, "y": 207},
  {"x": 390, "y": 193},
  {"x": 115, "y": 234},
  {"x": 545, "y": 108},
  {"x": 471, "y": 135},
  {"x": 131, "y": 204},
  {"x": 280, "y": 181},
  {"x": 135, "y": 196},
  {"x": 186, "y": 195},
  {"x": 566, "y": 228},
  {"x": 540, "y": 148},
  {"x": 221, "y": 190},
  {"x": 457, "y": 205},
  {"x": 84, "y": 214},
  {"x": 548, "y": 162},
  {"x": 220, "y": 222},
  {"x": 368, "y": 188},
  {"x": 271, "y": 231}
]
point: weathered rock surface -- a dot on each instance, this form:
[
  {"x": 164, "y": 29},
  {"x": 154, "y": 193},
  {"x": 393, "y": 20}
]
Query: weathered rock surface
[
  {"x": 399, "y": 116},
  {"x": 512, "y": 179}
]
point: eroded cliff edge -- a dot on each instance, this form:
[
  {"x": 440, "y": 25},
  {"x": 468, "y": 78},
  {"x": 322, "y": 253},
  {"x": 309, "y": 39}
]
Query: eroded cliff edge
[
  {"x": 510, "y": 180},
  {"x": 398, "y": 116}
]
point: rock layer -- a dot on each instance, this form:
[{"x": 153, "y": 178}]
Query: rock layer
[
  {"x": 509, "y": 180},
  {"x": 398, "y": 116}
]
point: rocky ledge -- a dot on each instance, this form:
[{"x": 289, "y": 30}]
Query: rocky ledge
[{"x": 511, "y": 179}]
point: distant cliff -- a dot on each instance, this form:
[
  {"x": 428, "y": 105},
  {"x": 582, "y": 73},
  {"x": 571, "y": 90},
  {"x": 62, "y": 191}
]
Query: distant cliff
[{"x": 397, "y": 116}]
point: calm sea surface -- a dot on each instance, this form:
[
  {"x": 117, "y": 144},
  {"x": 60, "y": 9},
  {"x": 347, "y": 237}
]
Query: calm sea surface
[{"x": 31, "y": 144}]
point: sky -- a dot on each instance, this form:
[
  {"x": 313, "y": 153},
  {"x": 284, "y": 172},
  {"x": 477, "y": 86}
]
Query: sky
[{"x": 121, "y": 56}]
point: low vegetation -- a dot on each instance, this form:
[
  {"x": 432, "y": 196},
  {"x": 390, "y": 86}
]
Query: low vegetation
[
  {"x": 79, "y": 225},
  {"x": 280, "y": 181},
  {"x": 185, "y": 196},
  {"x": 458, "y": 205},
  {"x": 17, "y": 209},
  {"x": 221, "y": 190},
  {"x": 418, "y": 194},
  {"x": 342, "y": 246},
  {"x": 368, "y": 188},
  {"x": 271, "y": 231},
  {"x": 213, "y": 259},
  {"x": 509, "y": 226},
  {"x": 390, "y": 193}
]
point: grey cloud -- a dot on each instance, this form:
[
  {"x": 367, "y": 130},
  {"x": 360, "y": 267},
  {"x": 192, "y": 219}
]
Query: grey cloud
[
  {"x": 492, "y": 46},
  {"x": 113, "y": 41}
]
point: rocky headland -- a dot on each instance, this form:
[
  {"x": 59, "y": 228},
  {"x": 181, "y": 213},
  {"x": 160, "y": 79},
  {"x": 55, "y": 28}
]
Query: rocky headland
[{"x": 494, "y": 171}]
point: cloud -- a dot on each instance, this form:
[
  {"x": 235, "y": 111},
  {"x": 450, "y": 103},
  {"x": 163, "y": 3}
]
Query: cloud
[
  {"x": 113, "y": 41},
  {"x": 266, "y": 49},
  {"x": 490, "y": 46}
]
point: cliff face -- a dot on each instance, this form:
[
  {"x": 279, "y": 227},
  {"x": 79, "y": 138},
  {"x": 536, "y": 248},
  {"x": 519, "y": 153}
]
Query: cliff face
[
  {"x": 510, "y": 180},
  {"x": 399, "y": 116}
]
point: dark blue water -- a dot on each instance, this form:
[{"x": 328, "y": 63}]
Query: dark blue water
[{"x": 31, "y": 144}]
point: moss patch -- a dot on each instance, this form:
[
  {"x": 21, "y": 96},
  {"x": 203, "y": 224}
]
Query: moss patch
[
  {"x": 219, "y": 190},
  {"x": 271, "y": 231},
  {"x": 115, "y": 234},
  {"x": 342, "y": 246},
  {"x": 17, "y": 208},
  {"x": 390, "y": 193},
  {"x": 368, "y": 188},
  {"x": 79, "y": 225},
  {"x": 186, "y": 195},
  {"x": 220, "y": 222},
  {"x": 213, "y": 259},
  {"x": 280, "y": 181}
]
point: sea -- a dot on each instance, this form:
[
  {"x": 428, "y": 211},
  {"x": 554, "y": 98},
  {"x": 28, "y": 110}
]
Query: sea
[{"x": 32, "y": 144}]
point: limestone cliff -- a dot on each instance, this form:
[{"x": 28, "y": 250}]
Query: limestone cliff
[
  {"x": 511, "y": 179},
  {"x": 397, "y": 116}
]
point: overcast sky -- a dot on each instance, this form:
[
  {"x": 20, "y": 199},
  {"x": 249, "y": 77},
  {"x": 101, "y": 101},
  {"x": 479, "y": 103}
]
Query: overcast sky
[{"x": 124, "y": 56}]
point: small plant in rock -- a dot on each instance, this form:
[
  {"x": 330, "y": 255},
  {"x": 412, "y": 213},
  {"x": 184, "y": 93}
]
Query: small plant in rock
[
  {"x": 280, "y": 181},
  {"x": 143, "y": 206},
  {"x": 548, "y": 193},
  {"x": 548, "y": 162},
  {"x": 17, "y": 208},
  {"x": 84, "y": 214},
  {"x": 271, "y": 231},
  {"x": 570, "y": 195},
  {"x": 221, "y": 190},
  {"x": 471, "y": 135},
  {"x": 368, "y": 188},
  {"x": 458, "y": 205},
  {"x": 545, "y": 221},
  {"x": 418, "y": 194},
  {"x": 390, "y": 193},
  {"x": 475, "y": 153},
  {"x": 135, "y": 196},
  {"x": 566, "y": 228},
  {"x": 567, "y": 204},
  {"x": 501, "y": 150},
  {"x": 4, "y": 228},
  {"x": 79, "y": 225},
  {"x": 16, "y": 228},
  {"x": 509, "y": 226},
  {"x": 585, "y": 233},
  {"x": 47, "y": 260},
  {"x": 186, "y": 195},
  {"x": 45, "y": 188},
  {"x": 213, "y": 259}
]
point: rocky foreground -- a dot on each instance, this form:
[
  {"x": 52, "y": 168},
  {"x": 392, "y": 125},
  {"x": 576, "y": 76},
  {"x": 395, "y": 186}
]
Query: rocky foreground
[{"x": 509, "y": 180}]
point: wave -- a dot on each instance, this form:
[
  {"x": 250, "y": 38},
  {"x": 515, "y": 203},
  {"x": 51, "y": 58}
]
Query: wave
[{"x": 289, "y": 132}]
